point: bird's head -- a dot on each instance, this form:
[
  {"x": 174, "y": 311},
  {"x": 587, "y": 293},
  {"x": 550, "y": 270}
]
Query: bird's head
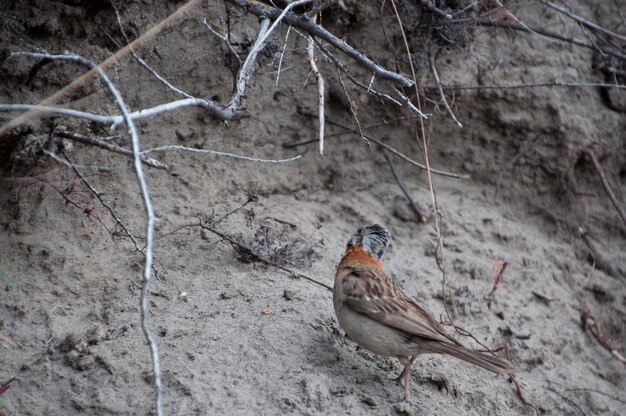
[{"x": 373, "y": 238}]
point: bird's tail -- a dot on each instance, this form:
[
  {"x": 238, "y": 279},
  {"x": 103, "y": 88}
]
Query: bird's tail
[{"x": 486, "y": 361}]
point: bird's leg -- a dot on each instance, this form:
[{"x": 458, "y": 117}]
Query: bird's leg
[{"x": 405, "y": 376}]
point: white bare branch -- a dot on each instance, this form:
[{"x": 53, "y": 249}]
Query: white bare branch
[
  {"x": 174, "y": 148},
  {"x": 320, "y": 91},
  {"x": 145, "y": 194}
]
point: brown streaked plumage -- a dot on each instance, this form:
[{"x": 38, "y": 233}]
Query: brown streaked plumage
[{"x": 378, "y": 316}]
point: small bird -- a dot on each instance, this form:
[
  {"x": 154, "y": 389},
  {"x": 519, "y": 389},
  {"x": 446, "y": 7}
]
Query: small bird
[{"x": 379, "y": 317}]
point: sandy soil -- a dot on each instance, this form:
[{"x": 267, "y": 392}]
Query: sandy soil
[{"x": 242, "y": 338}]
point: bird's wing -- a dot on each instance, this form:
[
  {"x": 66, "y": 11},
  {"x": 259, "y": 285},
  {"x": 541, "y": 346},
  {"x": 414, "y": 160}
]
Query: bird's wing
[{"x": 371, "y": 292}]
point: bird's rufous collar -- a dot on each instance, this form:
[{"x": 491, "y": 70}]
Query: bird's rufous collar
[{"x": 358, "y": 254}]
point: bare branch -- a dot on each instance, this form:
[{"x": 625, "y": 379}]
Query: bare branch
[
  {"x": 282, "y": 55},
  {"x": 320, "y": 90},
  {"x": 174, "y": 148},
  {"x": 550, "y": 34},
  {"x": 556, "y": 83},
  {"x": 108, "y": 146},
  {"x": 309, "y": 26},
  {"x": 408, "y": 103},
  {"x": 585, "y": 22},
  {"x": 151, "y": 219},
  {"x": 216, "y": 109},
  {"x": 100, "y": 119},
  {"x": 368, "y": 88}
]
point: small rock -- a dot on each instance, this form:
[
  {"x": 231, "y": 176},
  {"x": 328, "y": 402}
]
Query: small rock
[
  {"x": 370, "y": 401},
  {"x": 404, "y": 408},
  {"x": 94, "y": 335},
  {"x": 69, "y": 343}
]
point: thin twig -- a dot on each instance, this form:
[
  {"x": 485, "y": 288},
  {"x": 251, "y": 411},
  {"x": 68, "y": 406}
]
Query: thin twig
[
  {"x": 439, "y": 250},
  {"x": 225, "y": 39},
  {"x": 351, "y": 106},
  {"x": 547, "y": 33},
  {"x": 496, "y": 282},
  {"x": 140, "y": 59},
  {"x": 409, "y": 104},
  {"x": 525, "y": 149},
  {"x": 426, "y": 4},
  {"x": 576, "y": 389},
  {"x": 174, "y": 148},
  {"x": 108, "y": 146},
  {"x": 392, "y": 150},
  {"x": 441, "y": 94},
  {"x": 282, "y": 55},
  {"x": 89, "y": 212},
  {"x": 605, "y": 184},
  {"x": 344, "y": 68},
  {"x": 585, "y": 22},
  {"x": 6, "y": 385},
  {"x": 596, "y": 257},
  {"x": 588, "y": 322},
  {"x": 520, "y": 394},
  {"x": 568, "y": 400},
  {"x": 420, "y": 216},
  {"x": 102, "y": 202},
  {"x": 556, "y": 83},
  {"x": 349, "y": 131}
]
